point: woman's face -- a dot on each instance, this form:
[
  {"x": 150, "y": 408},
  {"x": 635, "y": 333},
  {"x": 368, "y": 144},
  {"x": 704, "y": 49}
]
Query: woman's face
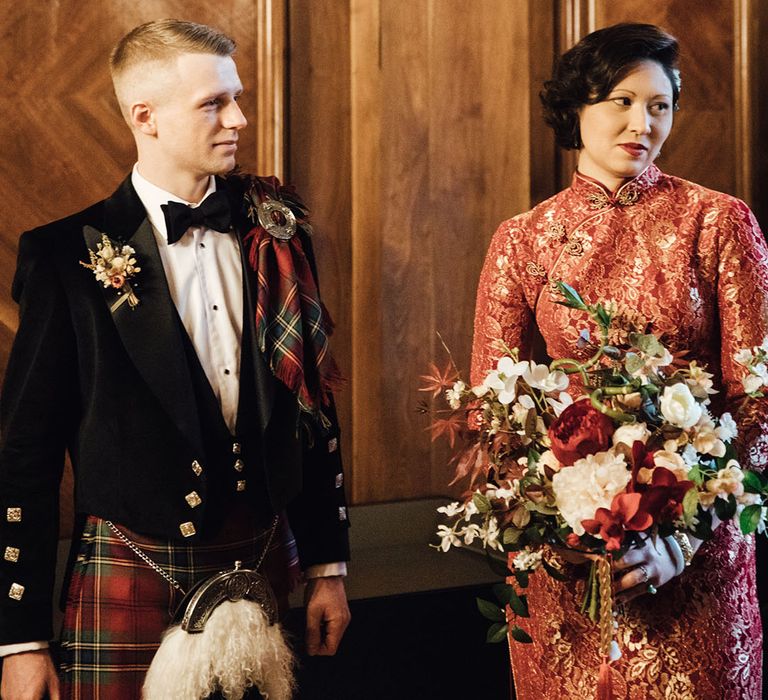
[{"x": 623, "y": 134}]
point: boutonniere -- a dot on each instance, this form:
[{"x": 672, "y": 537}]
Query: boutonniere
[{"x": 113, "y": 265}]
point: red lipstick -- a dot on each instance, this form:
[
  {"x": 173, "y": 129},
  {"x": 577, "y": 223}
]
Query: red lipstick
[{"x": 634, "y": 149}]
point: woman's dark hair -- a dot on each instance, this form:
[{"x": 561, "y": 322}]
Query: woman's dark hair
[{"x": 588, "y": 72}]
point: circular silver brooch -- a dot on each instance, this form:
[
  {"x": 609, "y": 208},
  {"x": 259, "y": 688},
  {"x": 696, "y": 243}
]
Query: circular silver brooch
[{"x": 276, "y": 219}]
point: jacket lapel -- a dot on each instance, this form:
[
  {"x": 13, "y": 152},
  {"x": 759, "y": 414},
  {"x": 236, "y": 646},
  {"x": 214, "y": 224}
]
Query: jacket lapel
[
  {"x": 263, "y": 375},
  {"x": 151, "y": 332}
]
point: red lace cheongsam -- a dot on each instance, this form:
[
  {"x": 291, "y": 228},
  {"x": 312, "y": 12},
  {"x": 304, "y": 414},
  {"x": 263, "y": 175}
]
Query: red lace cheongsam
[{"x": 691, "y": 265}]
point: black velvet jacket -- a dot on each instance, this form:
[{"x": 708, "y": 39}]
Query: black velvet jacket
[{"x": 114, "y": 388}]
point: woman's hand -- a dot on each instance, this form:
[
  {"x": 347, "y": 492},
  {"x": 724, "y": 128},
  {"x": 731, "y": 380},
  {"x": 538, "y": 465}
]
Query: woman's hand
[{"x": 644, "y": 569}]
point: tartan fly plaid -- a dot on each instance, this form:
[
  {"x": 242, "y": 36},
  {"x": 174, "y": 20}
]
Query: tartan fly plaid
[
  {"x": 292, "y": 325},
  {"x": 118, "y": 607}
]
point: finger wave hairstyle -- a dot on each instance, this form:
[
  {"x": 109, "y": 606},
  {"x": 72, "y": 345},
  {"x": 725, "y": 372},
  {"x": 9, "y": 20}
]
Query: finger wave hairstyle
[{"x": 586, "y": 73}]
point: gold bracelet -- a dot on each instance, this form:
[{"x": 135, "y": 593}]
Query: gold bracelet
[{"x": 685, "y": 545}]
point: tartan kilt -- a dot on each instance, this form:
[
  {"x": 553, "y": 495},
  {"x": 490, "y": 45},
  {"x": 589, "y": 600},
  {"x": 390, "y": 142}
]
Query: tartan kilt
[{"x": 117, "y": 607}]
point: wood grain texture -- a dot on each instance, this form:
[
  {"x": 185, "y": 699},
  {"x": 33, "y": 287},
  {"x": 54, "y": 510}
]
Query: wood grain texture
[
  {"x": 409, "y": 165},
  {"x": 64, "y": 143}
]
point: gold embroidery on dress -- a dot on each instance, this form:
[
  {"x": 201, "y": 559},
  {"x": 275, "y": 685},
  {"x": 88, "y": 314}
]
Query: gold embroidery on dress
[
  {"x": 555, "y": 231},
  {"x": 628, "y": 196},
  {"x": 535, "y": 270},
  {"x": 575, "y": 247},
  {"x": 598, "y": 200}
]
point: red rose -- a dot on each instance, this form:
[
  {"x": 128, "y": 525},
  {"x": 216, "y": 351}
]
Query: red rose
[{"x": 580, "y": 430}]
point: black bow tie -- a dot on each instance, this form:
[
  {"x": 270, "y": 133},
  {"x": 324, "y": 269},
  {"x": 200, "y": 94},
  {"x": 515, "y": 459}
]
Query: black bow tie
[{"x": 213, "y": 213}]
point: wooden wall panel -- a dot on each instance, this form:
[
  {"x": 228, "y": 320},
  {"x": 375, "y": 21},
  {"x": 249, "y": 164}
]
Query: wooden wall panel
[
  {"x": 64, "y": 143},
  {"x": 437, "y": 152}
]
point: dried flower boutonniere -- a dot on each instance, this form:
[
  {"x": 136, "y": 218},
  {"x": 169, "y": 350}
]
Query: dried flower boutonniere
[{"x": 113, "y": 265}]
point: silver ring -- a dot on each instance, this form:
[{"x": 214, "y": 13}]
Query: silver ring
[
  {"x": 644, "y": 572},
  {"x": 652, "y": 590}
]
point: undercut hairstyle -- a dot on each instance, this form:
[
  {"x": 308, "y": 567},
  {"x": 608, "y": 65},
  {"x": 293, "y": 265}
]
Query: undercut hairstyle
[
  {"x": 586, "y": 73},
  {"x": 160, "y": 42}
]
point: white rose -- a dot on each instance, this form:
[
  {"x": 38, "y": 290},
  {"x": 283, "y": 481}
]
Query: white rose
[
  {"x": 591, "y": 483},
  {"x": 743, "y": 357},
  {"x": 629, "y": 432},
  {"x": 679, "y": 407}
]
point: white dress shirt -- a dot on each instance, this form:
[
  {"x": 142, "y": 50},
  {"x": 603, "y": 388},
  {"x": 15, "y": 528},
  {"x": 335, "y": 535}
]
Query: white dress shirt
[{"x": 205, "y": 278}]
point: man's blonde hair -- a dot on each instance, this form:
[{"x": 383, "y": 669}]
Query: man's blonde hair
[
  {"x": 160, "y": 42},
  {"x": 165, "y": 39}
]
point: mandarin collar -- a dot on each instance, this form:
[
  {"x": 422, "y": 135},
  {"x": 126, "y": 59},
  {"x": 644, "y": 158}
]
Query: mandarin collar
[{"x": 597, "y": 196}]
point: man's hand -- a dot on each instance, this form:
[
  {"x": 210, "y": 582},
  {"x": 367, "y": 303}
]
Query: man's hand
[
  {"x": 327, "y": 614},
  {"x": 28, "y": 676}
]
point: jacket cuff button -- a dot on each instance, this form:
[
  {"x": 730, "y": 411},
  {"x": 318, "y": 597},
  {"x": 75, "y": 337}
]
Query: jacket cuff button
[
  {"x": 16, "y": 592},
  {"x": 187, "y": 529},
  {"x": 13, "y": 515}
]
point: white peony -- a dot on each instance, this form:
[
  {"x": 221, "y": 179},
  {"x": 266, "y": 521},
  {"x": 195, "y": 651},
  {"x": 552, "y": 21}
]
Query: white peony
[
  {"x": 591, "y": 483},
  {"x": 679, "y": 407},
  {"x": 629, "y": 432}
]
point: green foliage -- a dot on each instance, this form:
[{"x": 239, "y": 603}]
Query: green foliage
[
  {"x": 490, "y": 611},
  {"x": 725, "y": 509},
  {"x": 507, "y": 595},
  {"x": 481, "y": 502},
  {"x": 696, "y": 475},
  {"x": 754, "y": 482},
  {"x": 571, "y": 297},
  {"x": 750, "y": 518},
  {"x": 520, "y": 635},
  {"x": 690, "y": 504},
  {"x": 497, "y": 633},
  {"x": 649, "y": 344}
]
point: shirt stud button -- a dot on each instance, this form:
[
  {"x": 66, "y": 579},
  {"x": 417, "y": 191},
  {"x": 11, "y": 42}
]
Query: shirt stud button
[
  {"x": 240, "y": 485},
  {"x": 11, "y": 554},
  {"x": 239, "y": 464},
  {"x": 197, "y": 468},
  {"x": 16, "y": 592},
  {"x": 236, "y": 448}
]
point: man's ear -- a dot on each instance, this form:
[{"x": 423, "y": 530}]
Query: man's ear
[{"x": 143, "y": 118}]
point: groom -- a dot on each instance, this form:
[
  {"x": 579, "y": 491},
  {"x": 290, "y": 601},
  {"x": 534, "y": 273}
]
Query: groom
[{"x": 161, "y": 381}]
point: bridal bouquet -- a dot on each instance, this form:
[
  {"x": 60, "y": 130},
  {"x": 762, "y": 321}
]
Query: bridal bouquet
[{"x": 636, "y": 454}]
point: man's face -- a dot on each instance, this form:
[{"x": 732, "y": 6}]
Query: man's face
[{"x": 198, "y": 118}]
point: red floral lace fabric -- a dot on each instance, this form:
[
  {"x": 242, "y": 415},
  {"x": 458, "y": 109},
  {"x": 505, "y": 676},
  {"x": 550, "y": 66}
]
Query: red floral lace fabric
[{"x": 689, "y": 264}]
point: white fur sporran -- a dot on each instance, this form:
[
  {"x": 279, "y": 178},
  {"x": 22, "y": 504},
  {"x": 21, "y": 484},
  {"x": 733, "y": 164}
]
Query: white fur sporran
[{"x": 226, "y": 639}]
